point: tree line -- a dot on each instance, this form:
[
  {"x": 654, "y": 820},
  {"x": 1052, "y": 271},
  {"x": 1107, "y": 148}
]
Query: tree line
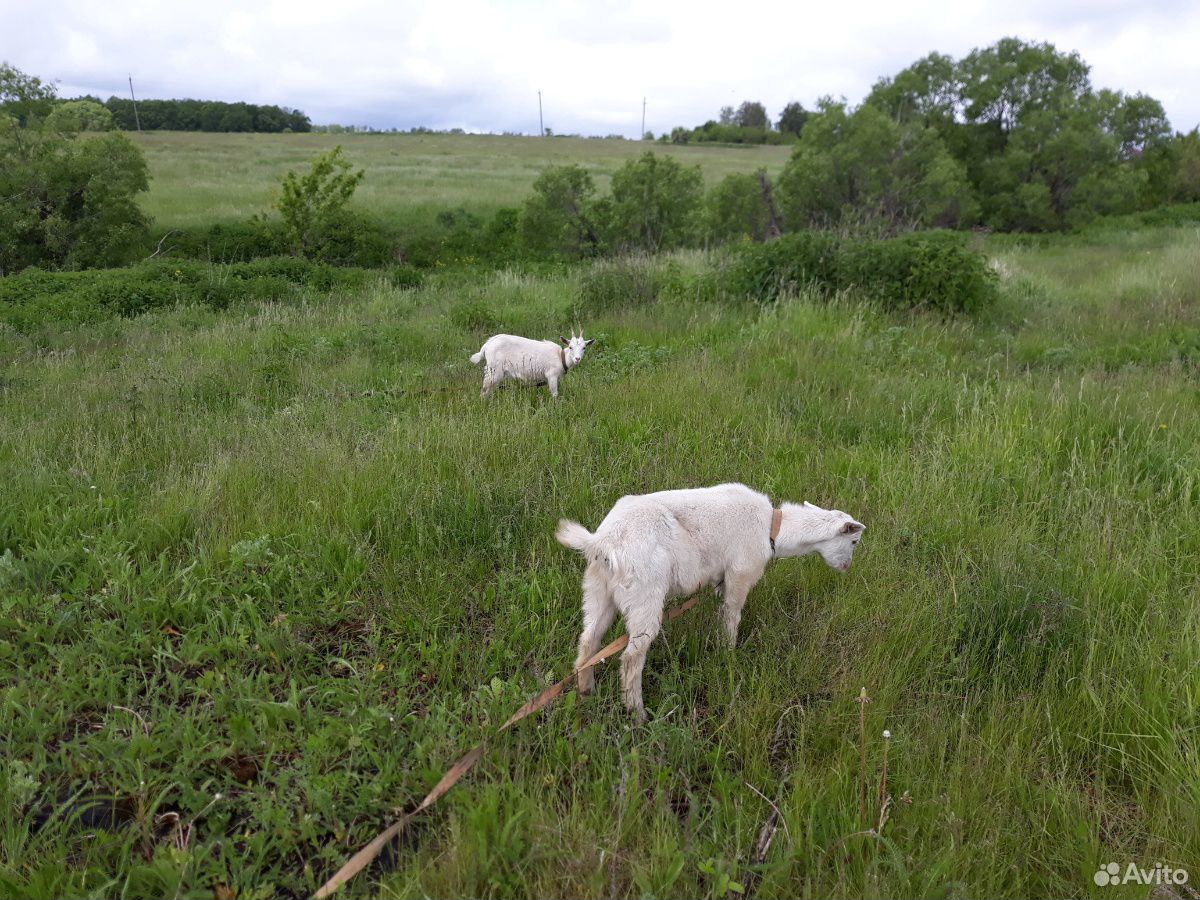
[
  {"x": 204, "y": 115},
  {"x": 748, "y": 124},
  {"x": 27, "y": 98},
  {"x": 1013, "y": 136}
]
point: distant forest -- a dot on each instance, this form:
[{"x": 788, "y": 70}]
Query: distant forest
[{"x": 202, "y": 115}]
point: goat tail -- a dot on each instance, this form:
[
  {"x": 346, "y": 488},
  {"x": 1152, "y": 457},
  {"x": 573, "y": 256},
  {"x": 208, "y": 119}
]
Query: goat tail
[
  {"x": 477, "y": 358},
  {"x": 573, "y": 535}
]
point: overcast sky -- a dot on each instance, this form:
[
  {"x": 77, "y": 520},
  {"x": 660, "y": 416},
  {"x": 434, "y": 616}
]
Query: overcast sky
[{"x": 479, "y": 66}]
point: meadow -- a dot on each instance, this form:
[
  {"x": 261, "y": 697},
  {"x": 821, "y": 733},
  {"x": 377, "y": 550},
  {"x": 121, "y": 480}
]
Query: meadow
[
  {"x": 199, "y": 179},
  {"x": 266, "y": 571}
]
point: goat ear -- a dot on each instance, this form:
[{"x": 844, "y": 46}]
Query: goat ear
[
  {"x": 589, "y": 342},
  {"x": 852, "y": 527},
  {"x": 564, "y": 340}
]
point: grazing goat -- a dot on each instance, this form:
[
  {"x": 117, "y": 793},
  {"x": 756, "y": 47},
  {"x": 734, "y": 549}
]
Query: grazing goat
[
  {"x": 533, "y": 362},
  {"x": 654, "y": 546}
]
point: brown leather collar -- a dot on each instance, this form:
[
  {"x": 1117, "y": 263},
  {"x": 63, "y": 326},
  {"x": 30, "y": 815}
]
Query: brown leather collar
[
  {"x": 562, "y": 358},
  {"x": 776, "y": 521}
]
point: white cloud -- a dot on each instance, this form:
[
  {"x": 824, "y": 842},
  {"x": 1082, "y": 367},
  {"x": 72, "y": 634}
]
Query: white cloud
[{"x": 481, "y": 64}]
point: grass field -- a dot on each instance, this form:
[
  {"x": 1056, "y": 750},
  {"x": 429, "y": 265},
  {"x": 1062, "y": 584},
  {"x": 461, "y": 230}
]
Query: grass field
[
  {"x": 198, "y": 179},
  {"x": 264, "y": 573}
]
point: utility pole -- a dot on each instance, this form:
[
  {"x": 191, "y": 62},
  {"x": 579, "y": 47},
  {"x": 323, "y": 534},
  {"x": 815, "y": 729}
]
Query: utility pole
[
  {"x": 136, "y": 119},
  {"x": 643, "y": 117},
  {"x": 541, "y": 124}
]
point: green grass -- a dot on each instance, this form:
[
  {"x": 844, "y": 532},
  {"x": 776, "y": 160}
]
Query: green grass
[
  {"x": 198, "y": 179},
  {"x": 271, "y": 569}
]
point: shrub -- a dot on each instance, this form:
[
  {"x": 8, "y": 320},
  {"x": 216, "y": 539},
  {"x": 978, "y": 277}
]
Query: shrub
[
  {"x": 226, "y": 243},
  {"x": 79, "y": 115},
  {"x": 473, "y": 315},
  {"x": 557, "y": 220},
  {"x": 65, "y": 201},
  {"x": 738, "y": 207},
  {"x": 502, "y": 234},
  {"x": 350, "y": 240},
  {"x": 764, "y": 271},
  {"x": 34, "y": 298},
  {"x": 404, "y": 277},
  {"x": 653, "y": 205},
  {"x": 676, "y": 283},
  {"x": 864, "y": 167},
  {"x": 68, "y": 201},
  {"x": 609, "y": 285},
  {"x": 313, "y": 206},
  {"x": 922, "y": 270}
]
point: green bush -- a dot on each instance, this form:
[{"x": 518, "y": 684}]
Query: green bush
[
  {"x": 1170, "y": 215},
  {"x": 404, "y": 277},
  {"x": 316, "y": 222},
  {"x": 737, "y": 207},
  {"x": 79, "y": 115},
  {"x": 349, "y": 240},
  {"x": 935, "y": 270},
  {"x": 473, "y": 315},
  {"x": 459, "y": 236},
  {"x": 34, "y": 298},
  {"x": 922, "y": 270},
  {"x": 674, "y": 282},
  {"x": 67, "y": 201},
  {"x": 653, "y": 206},
  {"x": 557, "y": 219},
  {"x": 614, "y": 284},
  {"x": 764, "y": 271}
]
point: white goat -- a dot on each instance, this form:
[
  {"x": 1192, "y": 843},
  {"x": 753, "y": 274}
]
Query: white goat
[
  {"x": 654, "y": 546},
  {"x": 533, "y": 362}
]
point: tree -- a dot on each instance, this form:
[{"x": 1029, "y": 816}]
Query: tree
[
  {"x": 24, "y": 97},
  {"x": 864, "y": 169},
  {"x": 68, "y": 201},
  {"x": 653, "y": 204},
  {"x": 928, "y": 91},
  {"x": 1173, "y": 169},
  {"x": 727, "y": 115},
  {"x": 1059, "y": 168},
  {"x": 740, "y": 206},
  {"x": 1139, "y": 122},
  {"x": 313, "y": 206},
  {"x": 752, "y": 115},
  {"x": 1040, "y": 147},
  {"x": 792, "y": 118},
  {"x": 557, "y": 218},
  {"x": 1012, "y": 79},
  {"x": 79, "y": 115},
  {"x": 64, "y": 200}
]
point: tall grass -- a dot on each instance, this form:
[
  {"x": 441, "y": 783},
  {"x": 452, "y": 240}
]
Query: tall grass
[{"x": 271, "y": 569}]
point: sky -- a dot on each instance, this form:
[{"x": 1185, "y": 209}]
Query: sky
[{"x": 479, "y": 66}]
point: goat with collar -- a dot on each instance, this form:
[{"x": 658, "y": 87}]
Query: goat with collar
[
  {"x": 651, "y": 547},
  {"x": 508, "y": 356}
]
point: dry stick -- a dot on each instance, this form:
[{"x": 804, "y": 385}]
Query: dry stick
[
  {"x": 767, "y": 833},
  {"x": 160, "y": 243},
  {"x": 363, "y": 857},
  {"x": 887, "y": 740},
  {"x": 862, "y": 701}
]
